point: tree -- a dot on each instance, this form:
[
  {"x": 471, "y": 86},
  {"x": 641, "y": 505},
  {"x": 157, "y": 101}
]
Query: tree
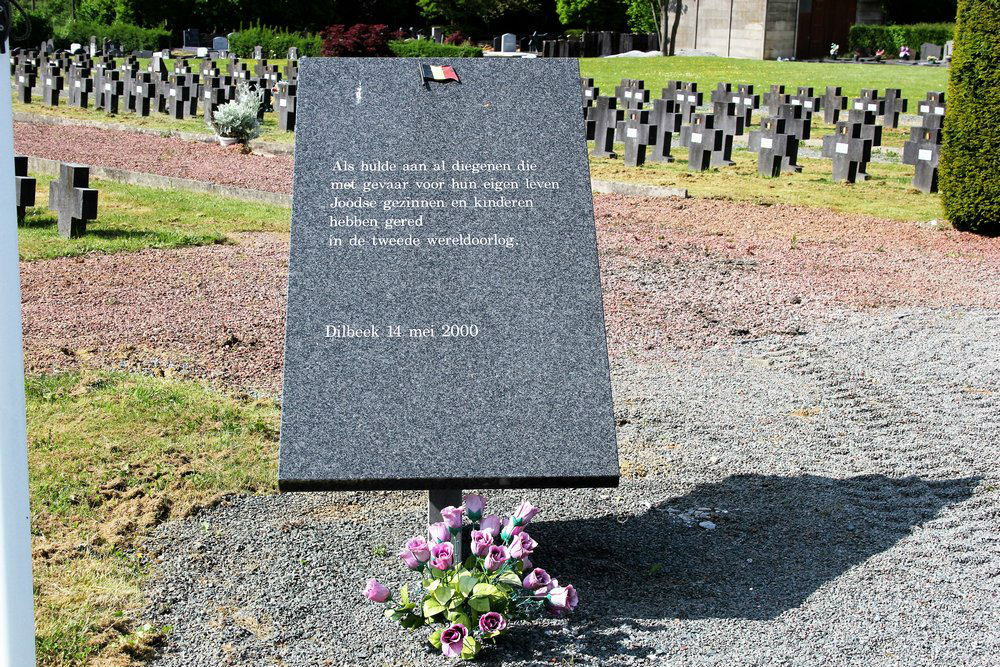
[
  {"x": 660, "y": 16},
  {"x": 471, "y": 15},
  {"x": 970, "y": 156},
  {"x": 592, "y": 14}
]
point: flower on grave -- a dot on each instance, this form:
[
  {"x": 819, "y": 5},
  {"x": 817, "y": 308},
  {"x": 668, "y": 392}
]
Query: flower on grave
[
  {"x": 904, "y": 52},
  {"x": 522, "y": 545},
  {"x": 496, "y": 556},
  {"x": 880, "y": 53},
  {"x": 439, "y": 532},
  {"x": 375, "y": 591},
  {"x": 492, "y": 622},
  {"x": 442, "y": 555},
  {"x": 834, "y": 49},
  {"x": 453, "y": 639},
  {"x": 419, "y": 548},
  {"x": 452, "y": 518},
  {"x": 474, "y": 505},
  {"x": 490, "y": 524},
  {"x": 469, "y": 604},
  {"x": 481, "y": 543}
]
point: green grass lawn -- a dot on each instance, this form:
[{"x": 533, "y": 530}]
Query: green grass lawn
[
  {"x": 914, "y": 81},
  {"x": 131, "y": 217},
  {"x": 112, "y": 455},
  {"x": 887, "y": 194}
]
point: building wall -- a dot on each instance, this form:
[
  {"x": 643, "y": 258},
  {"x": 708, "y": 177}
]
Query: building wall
[
  {"x": 724, "y": 27},
  {"x": 780, "y": 28}
]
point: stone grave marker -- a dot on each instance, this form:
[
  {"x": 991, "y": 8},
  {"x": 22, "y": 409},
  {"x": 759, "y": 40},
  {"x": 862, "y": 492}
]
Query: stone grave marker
[
  {"x": 776, "y": 149},
  {"x": 52, "y": 85},
  {"x": 508, "y": 42},
  {"x": 706, "y": 144},
  {"x": 727, "y": 119},
  {"x": 144, "y": 94},
  {"x": 638, "y": 135},
  {"x": 191, "y": 38},
  {"x": 932, "y": 104},
  {"x": 284, "y": 102},
  {"x": 26, "y": 78},
  {"x": 774, "y": 98},
  {"x": 433, "y": 344},
  {"x": 893, "y": 104},
  {"x": 805, "y": 98},
  {"x": 74, "y": 199},
  {"x": 80, "y": 86},
  {"x": 849, "y": 150},
  {"x": 923, "y": 151},
  {"x": 797, "y": 120},
  {"x": 590, "y": 93},
  {"x": 949, "y": 48},
  {"x": 606, "y": 118},
  {"x": 114, "y": 89},
  {"x": 24, "y": 187},
  {"x": 869, "y": 101},
  {"x": 667, "y": 120},
  {"x": 723, "y": 93},
  {"x": 745, "y": 102},
  {"x": 928, "y": 51},
  {"x": 220, "y": 44},
  {"x": 688, "y": 100}
]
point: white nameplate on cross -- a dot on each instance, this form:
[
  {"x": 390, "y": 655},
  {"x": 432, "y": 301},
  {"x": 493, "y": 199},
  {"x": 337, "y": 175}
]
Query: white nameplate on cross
[
  {"x": 842, "y": 148},
  {"x": 765, "y": 142},
  {"x": 808, "y": 105},
  {"x": 630, "y": 132},
  {"x": 924, "y": 154},
  {"x": 696, "y": 137},
  {"x": 939, "y": 111}
]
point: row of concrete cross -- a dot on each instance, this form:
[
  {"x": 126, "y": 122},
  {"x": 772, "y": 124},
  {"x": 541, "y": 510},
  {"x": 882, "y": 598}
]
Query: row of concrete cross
[
  {"x": 647, "y": 127},
  {"x": 191, "y": 87},
  {"x": 70, "y": 195}
]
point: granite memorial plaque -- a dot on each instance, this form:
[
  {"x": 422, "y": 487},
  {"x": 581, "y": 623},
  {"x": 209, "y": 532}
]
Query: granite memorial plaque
[{"x": 445, "y": 325}]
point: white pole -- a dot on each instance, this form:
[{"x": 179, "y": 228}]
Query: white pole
[{"x": 17, "y": 616}]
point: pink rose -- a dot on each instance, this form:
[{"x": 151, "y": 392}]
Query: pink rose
[
  {"x": 452, "y": 639},
  {"x": 522, "y": 545},
  {"x": 492, "y": 621},
  {"x": 474, "y": 506},
  {"x": 410, "y": 560},
  {"x": 524, "y": 513},
  {"x": 442, "y": 555},
  {"x": 495, "y": 558},
  {"x": 510, "y": 529},
  {"x": 439, "y": 531},
  {"x": 452, "y": 518},
  {"x": 490, "y": 524},
  {"x": 418, "y": 547},
  {"x": 537, "y": 578},
  {"x": 481, "y": 542},
  {"x": 562, "y": 599},
  {"x": 526, "y": 565},
  {"x": 375, "y": 591}
]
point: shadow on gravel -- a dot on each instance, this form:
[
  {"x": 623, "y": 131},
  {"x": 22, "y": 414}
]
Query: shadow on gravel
[{"x": 780, "y": 539}]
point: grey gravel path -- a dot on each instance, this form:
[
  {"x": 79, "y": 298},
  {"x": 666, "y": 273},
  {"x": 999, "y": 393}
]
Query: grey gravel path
[{"x": 852, "y": 474}]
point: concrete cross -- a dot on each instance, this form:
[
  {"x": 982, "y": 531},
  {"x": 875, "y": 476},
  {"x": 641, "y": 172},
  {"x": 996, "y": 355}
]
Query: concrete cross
[
  {"x": 589, "y": 93},
  {"x": 113, "y": 89},
  {"x": 667, "y": 118},
  {"x": 638, "y": 134},
  {"x": 745, "y": 102},
  {"x": 285, "y": 104},
  {"x": 727, "y": 119},
  {"x": 807, "y": 100},
  {"x": 798, "y": 122},
  {"x": 606, "y": 117},
  {"x": 923, "y": 151},
  {"x": 869, "y": 102},
  {"x": 179, "y": 97},
  {"x": 80, "y": 86},
  {"x": 688, "y": 100},
  {"x": 144, "y": 94},
  {"x": 25, "y": 187},
  {"x": 52, "y": 85},
  {"x": 774, "y": 98},
  {"x": 849, "y": 151},
  {"x": 723, "y": 93},
  {"x": 26, "y": 77},
  {"x": 705, "y": 144},
  {"x": 932, "y": 105},
  {"x": 869, "y": 130},
  {"x": 777, "y": 151},
  {"x": 72, "y": 197},
  {"x": 893, "y": 104}
]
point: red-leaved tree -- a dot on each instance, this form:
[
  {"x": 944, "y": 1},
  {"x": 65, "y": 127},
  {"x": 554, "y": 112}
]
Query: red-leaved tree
[{"x": 361, "y": 39}]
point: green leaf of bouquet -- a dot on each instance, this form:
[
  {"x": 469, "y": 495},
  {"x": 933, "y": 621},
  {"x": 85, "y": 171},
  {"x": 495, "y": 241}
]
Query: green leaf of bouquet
[
  {"x": 443, "y": 593},
  {"x": 432, "y": 607},
  {"x": 404, "y": 596},
  {"x": 470, "y": 647},
  {"x": 482, "y": 605},
  {"x": 510, "y": 578},
  {"x": 456, "y": 602},
  {"x": 432, "y": 586},
  {"x": 470, "y": 563},
  {"x": 482, "y": 590},
  {"x": 466, "y": 584},
  {"x": 435, "y": 639},
  {"x": 412, "y": 621}
]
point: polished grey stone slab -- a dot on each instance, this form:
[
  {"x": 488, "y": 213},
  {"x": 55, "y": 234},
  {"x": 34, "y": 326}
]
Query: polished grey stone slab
[{"x": 524, "y": 403}]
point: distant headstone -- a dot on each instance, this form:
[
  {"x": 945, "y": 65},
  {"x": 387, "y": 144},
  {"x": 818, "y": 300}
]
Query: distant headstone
[
  {"x": 24, "y": 187},
  {"x": 923, "y": 151},
  {"x": 74, "y": 199},
  {"x": 705, "y": 143},
  {"x": 202, "y": 51},
  {"x": 849, "y": 150},
  {"x": 220, "y": 44},
  {"x": 928, "y": 51},
  {"x": 508, "y": 42},
  {"x": 445, "y": 322},
  {"x": 284, "y": 104},
  {"x": 606, "y": 116},
  {"x": 437, "y": 34},
  {"x": 638, "y": 135},
  {"x": 932, "y": 104},
  {"x": 949, "y": 49},
  {"x": 894, "y": 104},
  {"x": 833, "y": 103},
  {"x": 777, "y": 151},
  {"x": 191, "y": 38}
]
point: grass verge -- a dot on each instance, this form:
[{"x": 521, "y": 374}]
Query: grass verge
[
  {"x": 887, "y": 193},
  {"x": 111, "y": 455},
  {"x": 132, "y": 217}
]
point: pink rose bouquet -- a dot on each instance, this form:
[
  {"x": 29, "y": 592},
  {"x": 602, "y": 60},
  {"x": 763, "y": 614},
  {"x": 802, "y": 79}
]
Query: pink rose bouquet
[{"x": 470, "y": 603}]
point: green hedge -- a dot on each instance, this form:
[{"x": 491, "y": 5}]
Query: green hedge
[
  {"x": 868, "y": 39},
  {"x": 275, "y": 42},
  {"x": 427, "y": 48},
  {"x": 130, "y": 37},
  {"x": 30, "y": 28},
  {"x": 970, "y": 157}
]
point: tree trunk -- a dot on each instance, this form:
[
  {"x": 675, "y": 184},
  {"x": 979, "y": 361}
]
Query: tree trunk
[{"x": 666, "y": 45}]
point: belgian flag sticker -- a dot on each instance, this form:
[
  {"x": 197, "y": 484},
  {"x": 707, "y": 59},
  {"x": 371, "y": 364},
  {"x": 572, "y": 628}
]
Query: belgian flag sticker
[{"x": 439, "y": 73}]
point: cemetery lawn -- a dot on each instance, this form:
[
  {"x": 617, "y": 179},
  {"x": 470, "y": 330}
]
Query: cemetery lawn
[
  {"x": 888, "y": 192},
  {"x": 155, "y": 121},
  {"x": 132, "y": 217},
  {"x": 915, "y": 81},
  {"x": 111, "y": 456}
]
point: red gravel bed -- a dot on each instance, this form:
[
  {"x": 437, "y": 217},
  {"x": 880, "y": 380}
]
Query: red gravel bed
[
  {"x": 165, "y": 156},
  {"x": 679, "y": 276}
]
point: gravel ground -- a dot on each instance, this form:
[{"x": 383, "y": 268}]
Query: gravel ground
[
  {"x": 680, "y": 276},
  {"x": 156, "y": 155},
  {"x": 850, "y": 471}
]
